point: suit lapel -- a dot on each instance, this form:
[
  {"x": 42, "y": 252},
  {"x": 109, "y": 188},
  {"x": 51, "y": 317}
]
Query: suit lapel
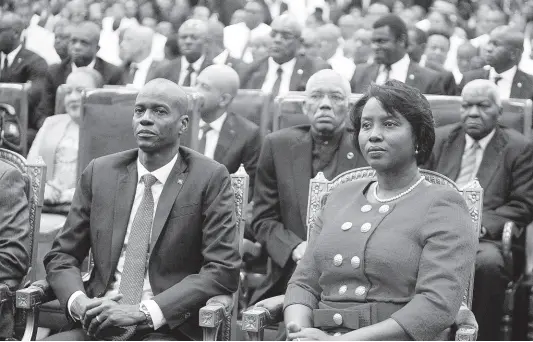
[
  {"x": 348, "y": 158},
  {"x": 302, "y": 169},
  {"x": 452, "y": 155},
  {"x": 520, "y": 86},
  {"x": 491, "y": 156},
  {"x": 258, "y": 76},
  {"x": 225, "y": 139},
  {"x": 171, "y": 190},
  {"x": 297, "y": 74},
  {"x": 17, "y": 62},
  {"x": 412, "y": 76}
]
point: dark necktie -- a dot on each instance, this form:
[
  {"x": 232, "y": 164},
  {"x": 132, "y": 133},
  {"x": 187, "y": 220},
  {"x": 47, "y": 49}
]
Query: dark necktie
[
  {"x": 386, "y": 71},
  {"x": 203, "y": 140},
  {"x": 497, "y": 79},
  {"x": 132, "y": 71},
  {"x": 277, "y": 84},
  {"x": 5, "y": 68},
  {"x": 135, "y": 263},
  {"x": 188, "y": 77}
]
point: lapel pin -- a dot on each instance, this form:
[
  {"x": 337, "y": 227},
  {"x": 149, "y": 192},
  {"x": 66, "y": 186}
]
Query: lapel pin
[
  {"x": 411, "y": 77},
  {"x": 519, "y": 85},
  {"x": 18, "y": 60},
  {"x": 300, "y": 72},
  {"x": 180, "y": 181},
  {"x": 349, "y": 155}
]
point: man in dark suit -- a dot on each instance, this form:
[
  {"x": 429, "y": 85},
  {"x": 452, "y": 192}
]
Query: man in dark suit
[
  {"x": 14, "y": 239},
  {"x": 226, "y": 137},
  {"x": 284, "y": 69},
  {"x": 20, "y": 65},
  {"x": 289, "y": 159},
  {"x": 391, "y": 61},
  {"x": 160, "y": 223},
  {"x": 192, "y": 41},
  {"x": 504, "y": 52},
  {"x": 502, "y": 160},
  {"x": 83, "y": 47},
  {"x": 135, "y": 52}
]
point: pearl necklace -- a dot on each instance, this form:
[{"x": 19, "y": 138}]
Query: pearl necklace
[{"x": 399, "y": 195}]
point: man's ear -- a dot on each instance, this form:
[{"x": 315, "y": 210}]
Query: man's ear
[
  {"x": 225, "y": 100},
  {"x": 184, "y": 121}
]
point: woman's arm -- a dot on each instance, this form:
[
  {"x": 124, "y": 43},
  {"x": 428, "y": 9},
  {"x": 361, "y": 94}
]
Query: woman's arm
[
  {"x": 388, "y": 330},
  {"x": 298, "y": 314}
]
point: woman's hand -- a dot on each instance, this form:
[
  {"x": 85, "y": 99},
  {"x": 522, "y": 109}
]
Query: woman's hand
[
  {"x": 51, "y": 194},
  {"x": 309, "y": 334}
]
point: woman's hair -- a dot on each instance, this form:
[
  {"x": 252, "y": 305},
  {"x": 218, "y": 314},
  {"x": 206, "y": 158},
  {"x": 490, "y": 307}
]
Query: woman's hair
[
  {"x": 95, "y": 75},
  {"x": 397, "y": 98}
]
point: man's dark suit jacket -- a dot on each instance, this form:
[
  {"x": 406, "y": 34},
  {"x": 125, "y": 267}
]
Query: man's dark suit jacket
[
  {"x": 149, "y": 76},
  {"x": 28, "y": 67},
  {"x": 14, "y": 238},
  {"x": 522, "y": 87},
  {"x": 281, "y": 193},
  {"x": 426, "y": 80},
  {"x": 253, "y": 75},
  {"x": 171, "y": 70},
  {"x": 57, "y": 75},
  {"x": 194, "y": 254},
  {"x": 505, "y": 174}
]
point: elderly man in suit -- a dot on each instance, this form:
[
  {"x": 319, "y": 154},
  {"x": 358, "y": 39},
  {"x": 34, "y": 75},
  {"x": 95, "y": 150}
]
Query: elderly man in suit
[
  {"x": 160, "y": 223},
  {"x": 502, "y": 160},
  {"x": 135, "y": 52},
  {"x": 391, "y": 61},
  {"x": 284, "y": 69},
  {"x": 504, "y": 51},
  {"x": 83, "y": 47},
  {"x": 192, "y": 42},
  {"x": 14, "y": 239},
  {"x": 289, "y": 159},
  {"x": 20, "y": 65}
]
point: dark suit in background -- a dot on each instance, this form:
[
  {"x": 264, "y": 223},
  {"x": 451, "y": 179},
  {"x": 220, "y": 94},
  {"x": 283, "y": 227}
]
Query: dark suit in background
[
  {"x": 57, "y": 75},
  {"x": 194, "y": 253},
  {"x": 14, "y": 239},
  {"x": 426, "y": 80},
  {"x": 522, "y": 87},
  {"x": 128, "y": 74},
  {"x": 505, "y": 174},
  {"x": 171, "y": 70},
  {"x": 280, "y": 196}
]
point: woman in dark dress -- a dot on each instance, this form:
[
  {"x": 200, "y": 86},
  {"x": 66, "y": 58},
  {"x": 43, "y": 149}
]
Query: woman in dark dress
[{"x": 394, "y": 256}]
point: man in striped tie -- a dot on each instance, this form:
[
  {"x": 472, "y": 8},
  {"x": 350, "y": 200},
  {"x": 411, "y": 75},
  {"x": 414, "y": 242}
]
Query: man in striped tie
[
  {"x": 502, "y": 161},
  {"x": 159, "y": 221}
]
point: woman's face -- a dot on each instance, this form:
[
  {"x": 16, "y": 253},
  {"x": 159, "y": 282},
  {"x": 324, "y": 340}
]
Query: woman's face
[
  {"x": 76, "y": 83},
  {"x": 385, "y": 141}
]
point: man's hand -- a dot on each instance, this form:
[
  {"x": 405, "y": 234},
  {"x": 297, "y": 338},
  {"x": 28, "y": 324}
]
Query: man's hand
[
  {"x": 120, "y": 315},
  {"x": 51, "y": 194},
  {"x": 82, "y": 303},
  {"x": 252, "y": 249},
  {"x": 89, "y": 317},
  {"x": 299, "y": 251}
]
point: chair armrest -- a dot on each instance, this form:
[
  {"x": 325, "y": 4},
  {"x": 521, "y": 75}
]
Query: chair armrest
[
  {"x": 226, "y": 301},
  {"x": 274, "y": 307},
  {"x": 36, "y": 294},
  {"x": 214, "y": 315},
  {"x": 263, "y": 314},
  {"x": 510, "y": 231},
  {"x": 466, "y": 325}
]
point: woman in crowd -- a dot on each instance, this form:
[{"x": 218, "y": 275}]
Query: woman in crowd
[{"x": 394, "y": 256}]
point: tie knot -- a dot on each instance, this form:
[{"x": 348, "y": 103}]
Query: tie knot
[
  {"x": 190, "y": 68},
  {"x": 475, "y": 145},
  {"x": 206, "y": 128},
  {"x": 149, "y": 180},
  {"x": 280, "y": 70},
  {"x": 497, "y": 79}
]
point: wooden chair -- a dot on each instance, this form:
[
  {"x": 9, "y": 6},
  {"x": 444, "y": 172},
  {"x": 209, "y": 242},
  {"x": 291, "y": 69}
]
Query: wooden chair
[
  {"x": 256, "y": 319},
  {"x": 218, "y": 318},
  {"x": 35, "y": 177},
  {"x": 16, "y": 126},
  {"x": 60, "y": 99}
]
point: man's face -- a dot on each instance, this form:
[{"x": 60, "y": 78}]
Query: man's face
[
  {"x": 326, "y": 105},
  {"x": 415, "y": 50},
  {"x": 479, "y": 112},
  {"x": 191, "y": 41},
  {"x": 129, "y": 46},
  {"x": 77, "y": 14},
  {"x": 464, "y": 58},
  {"x": 498, "y": 52},
  {"x": 253, "y": 14},
  {"x": 385, "y": 46},
  {"x": 61, "y": 41},
  {"x": 362, "y": 41},
  {"x": 76, "y": 83},
  {"x": 310, "y": 46},
  {"x": 285, "y": 42},
  {"x": 157, "y": 121},
  {"x": 437, "y": 49},
  {"x": 489, "y": 20},
  {"x": 7, "y": 37},
  {"x": 131, "y": 8},
  {"x": 83, "y": 46},
  {"x": 211, "y": 94}
]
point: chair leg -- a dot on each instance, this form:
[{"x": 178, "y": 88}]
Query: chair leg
[
  {"x": 508, "y": 307},
  {"x": 530, "y": 314}
]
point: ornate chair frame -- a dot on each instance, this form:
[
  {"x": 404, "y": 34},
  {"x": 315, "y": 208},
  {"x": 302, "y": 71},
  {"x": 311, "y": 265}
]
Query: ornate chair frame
[
  {"x": 21, "y": 105},
  {"x": 257, "y": 319}
]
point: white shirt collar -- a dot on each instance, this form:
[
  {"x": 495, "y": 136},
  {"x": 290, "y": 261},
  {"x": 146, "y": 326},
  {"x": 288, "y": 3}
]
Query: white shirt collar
[
  {"x": 145, "y": 63},
  {"x": 287, "y": 67},
  {"x": 482, "y": 142},
  {"x": 196, "y": 65},
  {"x": 217, "y": 124},
  {"x": 161, "y": 174},
  {"x": 90, "y": 65},
  {"x": 400, "y": 66},
  {"x": 507, "y": 75},
  {"x": 11, "y": 56},
  {"x": 222, "y": 57}
]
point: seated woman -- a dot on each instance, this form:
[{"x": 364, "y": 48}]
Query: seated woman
[{"x": 394, "y": 256}]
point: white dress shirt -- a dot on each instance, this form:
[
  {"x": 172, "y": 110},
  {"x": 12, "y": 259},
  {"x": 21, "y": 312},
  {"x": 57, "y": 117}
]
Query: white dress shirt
[
  {"x": 10, "y": 56},
  {"x": 90, "y": 65},
  {"x": 221, "y": 58},
  {"x": 237, "y": 37},
  {"x": 272, "y": 76},
  {"x": 142, "y": 71},
  {"x": 482, "y": 147},
  {"x": 506, "y": 83},
  {"x": 185, "y": 65},
  {"x": 211, "y": 137},
  {"x": 162, "y": 175},
  {"x": 398, "y": 71},
  {"x": 342, "y": 65}
]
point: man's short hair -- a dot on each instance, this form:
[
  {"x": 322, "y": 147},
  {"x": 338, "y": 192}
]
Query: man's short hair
[
  {"x": 93, "y": 74},
  {"x": 396, "y": 25},
  {"x": 438, "y": 33}
]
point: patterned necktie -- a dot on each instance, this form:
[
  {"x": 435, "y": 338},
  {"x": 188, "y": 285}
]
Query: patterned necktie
[
  {"x": 203, "y": 140},
  {"x": 468, "y": 165},
  {"x": 188, "y": 78},
  {"x": 132, "y": 281},
  {"x": 277, "y": 84},
  {"x": 132, "y": 71}
]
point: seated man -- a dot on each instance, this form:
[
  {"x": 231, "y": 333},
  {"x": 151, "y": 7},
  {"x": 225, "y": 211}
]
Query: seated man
[
  {"x": 14, "y": 238},
  {"x": 160, "y": 223},
  {"x": 289, "y": 159},
  {"x": 502, "y": 160}
]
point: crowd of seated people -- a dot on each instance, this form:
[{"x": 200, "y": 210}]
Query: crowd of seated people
[{"x": 176, "y": 203}]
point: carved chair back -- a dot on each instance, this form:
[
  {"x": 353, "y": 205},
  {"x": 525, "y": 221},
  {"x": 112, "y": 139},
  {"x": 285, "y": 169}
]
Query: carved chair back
[
  {"x": 16, "y": 96},
  {"x": 320, "y": 187}
]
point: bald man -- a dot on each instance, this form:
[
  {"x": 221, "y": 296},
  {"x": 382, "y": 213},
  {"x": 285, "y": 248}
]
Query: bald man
[
  {"x": 215, "y": 46},
  {"x": 173, "y": 223},
  {"x": 83, "y": 47},
  {"x": 20, "y": 65},
  {"x": 192, "y": 42},
  {"x": 284, "y": 69},
  {"x": 289, "y": 159},
  {"x": 504, "y": 52},
  {"x": 135, "y": 52},
  {"x": 503, "y": 164},
  {"x": 331, "y": 51}
]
